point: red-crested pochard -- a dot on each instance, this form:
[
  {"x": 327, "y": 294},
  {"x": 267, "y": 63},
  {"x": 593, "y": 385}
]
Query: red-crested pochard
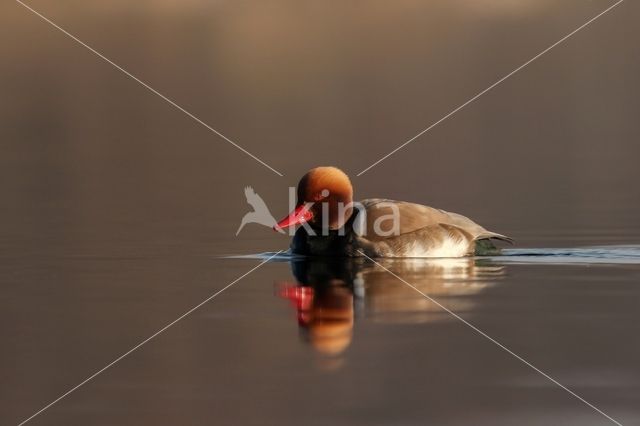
[{"x": 333, "y": 225}]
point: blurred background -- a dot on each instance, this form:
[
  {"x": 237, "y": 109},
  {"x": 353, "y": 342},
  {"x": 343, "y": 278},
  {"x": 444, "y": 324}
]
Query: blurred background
[
  {"x": 114, "y": 203},
  {"x": 549, "y": 156}
]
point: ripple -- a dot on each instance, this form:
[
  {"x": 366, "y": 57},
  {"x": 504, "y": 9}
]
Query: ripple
[
  {"x": 613, "y": 254},
  {"x": 621, "y": 254}
]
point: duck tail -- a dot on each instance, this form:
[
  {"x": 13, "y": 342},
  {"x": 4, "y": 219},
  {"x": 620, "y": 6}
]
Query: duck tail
[{"x": 495, "y": 236}]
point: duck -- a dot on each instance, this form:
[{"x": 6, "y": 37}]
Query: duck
[{"x": 330, "y": 223}]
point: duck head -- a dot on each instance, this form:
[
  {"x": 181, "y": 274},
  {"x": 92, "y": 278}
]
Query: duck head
[{"x": 324, "y": 200}]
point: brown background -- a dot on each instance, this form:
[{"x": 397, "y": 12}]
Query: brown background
[{"x": 114, "y": 204}]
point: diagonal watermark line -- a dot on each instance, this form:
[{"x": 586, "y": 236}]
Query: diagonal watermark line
[
  {"x": 133, "y": 349},
  {"x": 490, "y": 87},
  {"x": 146, "y": 86},
  {"x": 494, "y": 341}
]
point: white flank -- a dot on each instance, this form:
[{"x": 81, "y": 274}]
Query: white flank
[{"x": 449, "y": 248}]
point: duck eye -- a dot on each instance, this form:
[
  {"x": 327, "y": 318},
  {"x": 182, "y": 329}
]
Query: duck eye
[{"x": 321, "y": 195}]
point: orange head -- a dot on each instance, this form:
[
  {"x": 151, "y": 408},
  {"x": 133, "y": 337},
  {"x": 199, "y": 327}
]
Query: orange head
[{"x": 325, "y": 198}]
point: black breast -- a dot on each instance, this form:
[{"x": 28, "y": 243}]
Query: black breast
[{"x": 333, "y": 244}]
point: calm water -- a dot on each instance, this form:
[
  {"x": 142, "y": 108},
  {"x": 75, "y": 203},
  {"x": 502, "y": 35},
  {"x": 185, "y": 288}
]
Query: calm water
[{"x": 118, "y": 213}]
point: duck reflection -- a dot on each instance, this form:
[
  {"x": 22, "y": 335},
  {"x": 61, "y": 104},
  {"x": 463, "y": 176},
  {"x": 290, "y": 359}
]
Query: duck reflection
[
  {"x": 324, "y": 301},
  {"x": 331, "y": 293}
]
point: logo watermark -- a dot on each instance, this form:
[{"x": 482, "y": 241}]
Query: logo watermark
[
  {"x": 260, "y": 214},
  {"x": 316, "y": 217}
]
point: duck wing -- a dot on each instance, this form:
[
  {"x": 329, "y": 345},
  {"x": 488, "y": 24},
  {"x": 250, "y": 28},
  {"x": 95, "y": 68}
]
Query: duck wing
[
  {"x": 478, "y": 232},
  {"x": 379, "y": 223}
]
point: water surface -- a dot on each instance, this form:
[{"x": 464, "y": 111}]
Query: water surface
[{"x": 116, "y": 211}]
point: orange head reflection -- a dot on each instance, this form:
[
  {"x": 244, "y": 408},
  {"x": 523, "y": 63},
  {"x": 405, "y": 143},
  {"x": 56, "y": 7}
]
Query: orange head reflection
[{"x": 324, "y": 313}]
